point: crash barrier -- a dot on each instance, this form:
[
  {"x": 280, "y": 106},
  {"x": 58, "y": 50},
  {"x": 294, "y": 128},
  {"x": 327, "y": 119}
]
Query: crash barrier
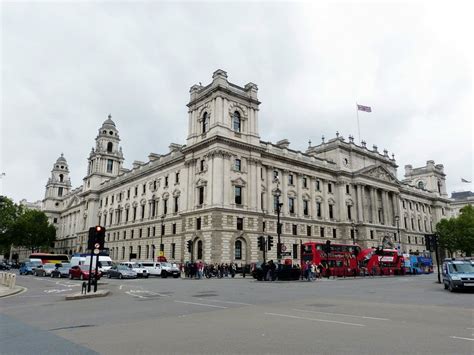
[{"x": 8, "y": 279}]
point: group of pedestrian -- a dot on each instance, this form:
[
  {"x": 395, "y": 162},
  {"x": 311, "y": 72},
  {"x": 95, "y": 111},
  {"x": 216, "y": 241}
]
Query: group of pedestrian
[
  {"x": 199, "y": 269},
  {"x": 312, "y": 271}
]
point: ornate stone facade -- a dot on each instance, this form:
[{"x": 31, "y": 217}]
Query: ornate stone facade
[{"x": 218, "y": 190}]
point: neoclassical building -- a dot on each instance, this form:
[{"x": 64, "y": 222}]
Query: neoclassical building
[{"x": 219, "y": 191}]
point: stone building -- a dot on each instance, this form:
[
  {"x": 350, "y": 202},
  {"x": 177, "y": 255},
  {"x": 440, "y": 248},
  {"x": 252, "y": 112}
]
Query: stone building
[{"x": 220, "y": 190}]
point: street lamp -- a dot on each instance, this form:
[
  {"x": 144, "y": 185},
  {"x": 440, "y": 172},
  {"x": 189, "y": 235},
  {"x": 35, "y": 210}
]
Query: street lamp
[
  {"x": 162, "y": 247},
  {"x": 397, "y": 220},
  {"x": 278, "y": 210}
]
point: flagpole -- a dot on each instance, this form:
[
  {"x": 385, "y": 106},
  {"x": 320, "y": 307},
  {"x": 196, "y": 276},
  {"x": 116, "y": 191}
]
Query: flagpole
[{"x": 358, "y": 125}]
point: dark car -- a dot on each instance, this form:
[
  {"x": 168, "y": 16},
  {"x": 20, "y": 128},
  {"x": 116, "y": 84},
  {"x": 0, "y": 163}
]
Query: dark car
[
  {"x": 61, "y": 270},
  {"x": 4, "y": 266},
  {"x": 26, "y": 268},
  {"x": 82, "y": 274},
  {"x": 121, "y": 272},
  {"x": 44, "y": 270},
  {"x": 282, "y": 272}
]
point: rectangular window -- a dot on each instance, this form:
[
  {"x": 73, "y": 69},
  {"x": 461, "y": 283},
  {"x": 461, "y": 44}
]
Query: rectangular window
[
  {"x": 412, "y": 224},
  {"x": 331, "y": 212},
  {"x": 143, "y": 211},
  {"x": 240, "y": 224},
  {"x": 321, "y": 232},
  {"x": 124, "y": 234},
  {"x": 110, "y": 165},
  {"x": 166, "y": 181},
  {"x": 148, "y": 232},
  {"x": 133, "y": 232},
  {"x": 136, "y": 190},
  {"x": 140, "y": 233},
  {"x": 403, "y": 203},
  {"x": 201, "y": 195},
  {"x": 334, "y": 233},
  {"x": 126, "y": 214},
  {"x": 318, "y": 185},
  {"x": 295, "y": 251},
  {"x": 154, "y": 231},
  {"x": 294, "y": 229},
  {"x": 238, "y": 195},
  {"x": 113, "y": 198},
  {"x": 329, "y": 187},
  {"x": 176, "y": 204},
  {"x": 128, "y": 193},
  {"x": 308, "y": 231},
  {"x": 154, "y": 185},
  {"x": 173, "y": 250},
  {"x": 264, "y": 226},
  {"x": 416, "y": 240},
  {"x": 291, "y": 205},
  {"x": 290, "y": 179},
  {"x": 237, "y": 165},
  {"x": 419, "y": 225},
  {"x": 144, "y": 188},
  {"x": 380, "y": 215},
  {"x": 60, "y": 191},
  {"x": 409, "y": 240},
  {"x": 275, "y": 203},
  {"x": 305, "y": 182},
  {"x": 348, "y": 189},
  {"x": 318, "y": 209},
  {"x": 176, "y": 178},
  {"x": 163, "y": 229},
  {"x": 352, "y": 233},
  {"x": 405, "y": 222},
  {"x": 134, "y": 212},
  {"x": 198, "y": 223},
  {"x": 305, "y": 208},
  {"x": 371, "y": 234},
  {"x": 174, "y": 228},
  {"x": 165, "y": 206},
  {"x": 349, "y": 213},
  {"x": 275, "y": 174}
]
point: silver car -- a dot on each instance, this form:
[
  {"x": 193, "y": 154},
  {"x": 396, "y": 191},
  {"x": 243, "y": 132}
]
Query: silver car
[{"x": 121, "y": 272}]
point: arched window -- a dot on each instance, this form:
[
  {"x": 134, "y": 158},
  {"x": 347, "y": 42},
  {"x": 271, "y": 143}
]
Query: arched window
[
  {"x": 110, "y": 146},
  {"x": 420, "y": 185},
  {"x": 236, "y": 122},
  {"x": 205, "y": 122},
  {"x": 238, "y": 250},
  {"x": 199, "y": 249},
  {"x": 61, "y": 177}
]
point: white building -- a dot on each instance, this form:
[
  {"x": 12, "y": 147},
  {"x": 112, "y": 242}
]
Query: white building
[{"x": 219, "y": 190}]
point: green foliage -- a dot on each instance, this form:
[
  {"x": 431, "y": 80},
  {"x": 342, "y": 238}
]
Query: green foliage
[
  {"x": 9, "y": 213},
  {"x": 32, "y": 230},
  {"x": 458, "y": 233}
]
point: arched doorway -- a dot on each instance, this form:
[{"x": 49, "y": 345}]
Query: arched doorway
[{"x": 240, "y": 250}]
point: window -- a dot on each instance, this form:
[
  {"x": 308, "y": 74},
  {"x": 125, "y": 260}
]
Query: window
[
  {"x": 412, "y": 225},
  {"x": 134, "y": 212},
  {"x": 349, "y": 212},
  {"x": 329, "y": 187},
  {"x": 290, "y": 179},
  {"x": 176, "y": 178},
  {"x": 55, "y": 220},
  {"x": 163, "y": 229},
  {"x": 166, "y": 181},
  {"x": 275, "y": 203},
  {"x": 110, "y": 165},
  {"x": 294, "y": 229},
  {"x": 201, "y": 165},
  {"x": 348, "y": 189},
  {"x": 123, "y": 253},
  {"x": 331, "y": 211},
  {"x": 205, "y": 122},
  {"x": 371, "y": 234},
  {"x": 409, "y": 240},
  {"x": 176, "y": 204},
  {"x": 128, "y": 193},
  {"x": 275, "y": 174},
  {"x": 112, "y": 199},
  {"x": 136, "y": 190},
  {"x": 321, "y": 232},
  {"x": 143, "y": 211},
  {"x": 61, "y": 177},
  {"x": 318, "y": 209},
  {"x": 264, "y": 226},
  {"x": 173, "y": 250},
  {"x": 334, "y": 233},
  {"x": 199, "y": 249},
  {"x": 132, "y": 233},
  {"x": 403, "y": 203},
  {"x": 60, "y": 191},
  {"x": 200, "y": 195},
  {"x": 295, "y": 251},
  {"x": 308, "y": 231},
  {"x": 140, "y": 233},
  {"x": 126, "y": 214},
  {"x": 238, "y": 195},
  {"x": 238, "y": 250},
  {"x": 198, "y": 223},
  {"x": 305, "y": 207},
  {"x": 174, "y": 228},
  {"x": 165, "y": 206},
  {"x": 352, "y": 233},
  {"x": 380, "y": 215},
  {"x": 291, "y": 205},
  {"x": 154, "y": 231},
  {"x": 147, "y": 249},
  {"x": 110, "y": 146},
  {"x": 318, "y": 185},
  {"x": 240, "y": 224},
  {"x": 237, "y": 164},
  {"x": 305, "y": 182},
  {"x": 148, "y": 232},
  {"x": 236, "y": 122},
  {"x": 416, "y": 240}
]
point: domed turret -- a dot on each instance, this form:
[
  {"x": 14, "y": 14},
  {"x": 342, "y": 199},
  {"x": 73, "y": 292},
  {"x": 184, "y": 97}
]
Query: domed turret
[{"x": 59, "y": 184}]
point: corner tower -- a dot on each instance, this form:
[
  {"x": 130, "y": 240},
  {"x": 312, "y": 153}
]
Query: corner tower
[
  {"x": 224, "y": 109},
  {"x": 105, "y": 160},
  {"x": 430, "y": 177},
  {"x": 58, "y": 185}
]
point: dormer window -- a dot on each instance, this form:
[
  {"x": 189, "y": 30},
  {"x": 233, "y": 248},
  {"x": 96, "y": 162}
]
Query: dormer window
[
  {"x": 110, "y": 147},
  {"x": 236, "y": 122},
  {"x": 205, "y": 122}
]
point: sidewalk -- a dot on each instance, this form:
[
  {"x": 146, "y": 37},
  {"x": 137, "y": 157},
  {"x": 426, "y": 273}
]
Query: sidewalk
[{"x": 5, "y": 291}]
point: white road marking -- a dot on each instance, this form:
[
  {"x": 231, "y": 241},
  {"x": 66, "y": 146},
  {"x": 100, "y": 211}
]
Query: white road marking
[
  {"x": 455, "y": 337},
  {"x": 134, "y": 295},
  {"x": 55, "y": 291},
  {"x": 230, "y": 302},
  {"x": 121, "y": 287},
  {"x": 201, "y": 304},
  {"x": 340, "y": 314},
  {"x": 316, "y": 320}
]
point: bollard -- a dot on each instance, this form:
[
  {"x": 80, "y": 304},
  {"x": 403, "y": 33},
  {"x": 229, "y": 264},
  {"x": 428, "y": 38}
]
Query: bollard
[
  {"x": 13, "y": 281},
  {"x": 3, "y": 278}
]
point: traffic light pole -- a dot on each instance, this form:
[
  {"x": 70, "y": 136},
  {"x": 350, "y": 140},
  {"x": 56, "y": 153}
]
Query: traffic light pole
[
  {"x": 90, "y": 272},
  {"x": 435, "y": 242}
]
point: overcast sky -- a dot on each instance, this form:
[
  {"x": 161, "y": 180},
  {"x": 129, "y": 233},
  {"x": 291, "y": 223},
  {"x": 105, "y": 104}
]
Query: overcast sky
[{"x": 65, "y": 66}]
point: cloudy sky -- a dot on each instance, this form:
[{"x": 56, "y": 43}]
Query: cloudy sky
[{"x": 66, "y": 65}]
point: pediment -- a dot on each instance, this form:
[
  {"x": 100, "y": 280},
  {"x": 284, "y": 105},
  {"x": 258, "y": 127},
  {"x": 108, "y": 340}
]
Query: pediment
[
  {"x": 239, "y": 182},
  {"x": 74, "y": 202},
  {"x": 378, "y": 172}
]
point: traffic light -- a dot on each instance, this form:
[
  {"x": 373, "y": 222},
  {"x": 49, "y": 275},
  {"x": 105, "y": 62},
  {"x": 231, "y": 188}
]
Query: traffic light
[
  {"x": 270, "y": 242},
  {"x": 327, "y": 247},
  {"x": 261, "y": 243},
  {"x": 428, "y": 242},
  {"x": 96, "y": 236},
  {"x": 431, "y": 242},
  {"x": 190, "y": 245}
]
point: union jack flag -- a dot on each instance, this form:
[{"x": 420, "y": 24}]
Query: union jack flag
[{"x": 364, "y": 108}]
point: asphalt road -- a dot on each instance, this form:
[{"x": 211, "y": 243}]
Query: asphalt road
[{"x": 396, "y": 315}]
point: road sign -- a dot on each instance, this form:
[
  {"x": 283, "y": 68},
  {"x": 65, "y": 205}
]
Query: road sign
[
  {"x": 285, "y": 253},
  {"x": 96, "y": 245},
  {"x": 96, "y": 251},
  {"x": 283, "y": 247},
  {"x": 162, "y": 253}
]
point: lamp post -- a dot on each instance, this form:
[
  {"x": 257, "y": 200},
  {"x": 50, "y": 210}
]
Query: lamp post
[
  {"x": 162, "y": 247},
  {"x": 278, "y": 210},
  {"x": 397, "y": 221}
]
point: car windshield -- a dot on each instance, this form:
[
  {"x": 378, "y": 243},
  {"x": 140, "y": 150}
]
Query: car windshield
[
  {"x": 49, "y": 266},
  {"x": 166, "y": 264},
  {"x": 106, "y": 263},
  {"x": 122, "y": 267},
  {"x": 134, "y": 265},
  {"x": 462, "y": 268}
]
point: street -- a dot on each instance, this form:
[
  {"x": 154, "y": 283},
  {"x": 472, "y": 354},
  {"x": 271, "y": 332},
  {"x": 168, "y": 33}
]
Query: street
[{"x": 384, "y": 315}]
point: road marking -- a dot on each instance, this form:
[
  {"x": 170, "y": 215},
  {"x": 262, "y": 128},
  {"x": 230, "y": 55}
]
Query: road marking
[
  {"x": 55, "y": 291},
  {"x": 201, "y": 304},
  {"x": 340, "y": 314},
  {"x": 455, "y": 337},
  {"x": 230, "y": 302},
  {"x": 134, "y": 295},
  {"x": 121, "y": 287},
  {"x": 316, "y": 319}
]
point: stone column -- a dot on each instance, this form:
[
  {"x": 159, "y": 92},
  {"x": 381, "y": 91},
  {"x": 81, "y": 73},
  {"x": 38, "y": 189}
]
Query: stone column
[
  {"x": 385, "y": 207},
  {"x": 227, "y": 185},
  {"x": 373, "y": 205},
  {"x": 360, "y": 213},
  {"x": 325, "y": 202},
  {"x": 269, "y": 185},
  {"x": 312, "y": 202}
]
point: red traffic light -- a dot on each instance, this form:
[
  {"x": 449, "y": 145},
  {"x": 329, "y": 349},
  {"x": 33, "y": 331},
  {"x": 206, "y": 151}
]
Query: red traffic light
[{"x": 98, "y": 228}]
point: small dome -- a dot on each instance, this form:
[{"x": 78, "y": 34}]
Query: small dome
[
  {"x": 108, "y": 123},
  {"x": 61, "y": 159}
]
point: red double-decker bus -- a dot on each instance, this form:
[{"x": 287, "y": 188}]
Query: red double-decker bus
[
  {"x": 342, "y": 259},
  {"x": 381, "y": 261}
]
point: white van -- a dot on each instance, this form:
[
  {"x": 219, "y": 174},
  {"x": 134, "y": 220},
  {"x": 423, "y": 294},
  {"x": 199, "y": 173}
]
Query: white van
[
  {"x": 153, "y": 268},
  {"x": 105, "y": 262}
]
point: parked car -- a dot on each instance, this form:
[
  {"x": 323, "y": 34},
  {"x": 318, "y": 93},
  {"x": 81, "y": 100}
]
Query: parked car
[
  {"x": 4, "y": 266},
  {"x": 61, "y": 270},
  {"x": 44, "y": 270},
  {"x": 121, "y": 272},
  {"x": 76, "y": 272},
  {"x": 458, "y": 274},
  {"x": 153, "y": 268},
  {"x": 26, "y": 268},
  {"x": 169, "y": 269},
  {"x": 138, "y": 268}
]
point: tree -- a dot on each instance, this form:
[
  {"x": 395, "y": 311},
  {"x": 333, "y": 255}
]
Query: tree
[
  {"x": 32, "y": 230},
  {"x": 458, "y": 233},
  {"x": 446, "y": 230},
  {"x": 9, "y": 213}
]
